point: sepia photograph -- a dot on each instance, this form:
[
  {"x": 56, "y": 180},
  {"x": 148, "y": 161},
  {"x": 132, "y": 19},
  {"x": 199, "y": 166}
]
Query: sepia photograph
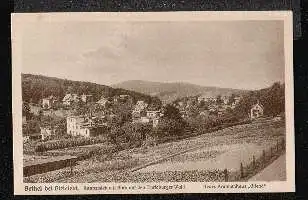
[{"x": 152, "y": 98}]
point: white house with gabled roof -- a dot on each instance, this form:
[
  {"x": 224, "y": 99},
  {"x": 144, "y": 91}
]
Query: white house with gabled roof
[{"x": 256, "y": 110}]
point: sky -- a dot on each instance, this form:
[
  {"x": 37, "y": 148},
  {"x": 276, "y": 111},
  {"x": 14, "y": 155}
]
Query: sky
[{"x": 229, "y": 54}]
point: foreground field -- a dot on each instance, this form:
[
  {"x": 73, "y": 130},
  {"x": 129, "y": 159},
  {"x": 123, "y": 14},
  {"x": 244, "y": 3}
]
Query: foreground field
[
  {"x": 203, "y": 158},
  {"x": 223, "y": 157}
]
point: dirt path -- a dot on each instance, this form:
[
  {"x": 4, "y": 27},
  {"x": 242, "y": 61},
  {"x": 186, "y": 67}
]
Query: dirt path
[{"x": 274, "y": 172}]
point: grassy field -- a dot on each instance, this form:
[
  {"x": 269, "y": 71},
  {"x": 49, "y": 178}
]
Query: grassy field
[{"x": 205, "y": 157}]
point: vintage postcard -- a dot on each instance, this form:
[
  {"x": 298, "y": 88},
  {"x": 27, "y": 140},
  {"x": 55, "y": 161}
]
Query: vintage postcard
[{"x": 165, "y": 102}]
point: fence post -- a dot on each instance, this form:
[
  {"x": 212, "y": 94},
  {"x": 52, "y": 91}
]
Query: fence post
[
  {"x": 277, "y": 146},
  {"x": 263, "y": 157},
  {"x": 282, "y": 143},
  {"x": 71, "y": 167},
  {"x": 242, "y": 170},
  {"x": 226, "y": 175},
  {"x": 253, "y": 162},
  {"x": 271, "y": 152}
]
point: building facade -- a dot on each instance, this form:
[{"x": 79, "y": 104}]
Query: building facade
[
  {"x": 83, "y": 126},
  {"x": 49, "y": 102},
  {"x": 256, "y": 111}
]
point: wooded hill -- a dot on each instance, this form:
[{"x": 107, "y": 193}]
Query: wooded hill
[
  {"x": 36, "y": 87},
  {"x": 272, "y": 99}
]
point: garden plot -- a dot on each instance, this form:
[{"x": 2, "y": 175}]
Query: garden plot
[
  {"x": 218, "y": 157},
  {"x": 255, "y": 133}
]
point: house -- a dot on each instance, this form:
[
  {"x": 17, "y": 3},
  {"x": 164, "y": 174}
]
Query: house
[
  {"x": 86, "y": 98},
  {"x": 47, "y": 132},
  {"x": 155, "y": 122},
  {"x": 146, "y": 117},
  {"x": 146, "y": 120},
  {"x": 84, "y": 126},
  {"x": 206, "y": 99},
  {"x": 49, "y": 102},
  {"x": 204, "y": 113},
  {"x": 256, "y": 110},
  {"x": 225, "y": 100},
  {"x": 152, "y": 114},
  {"x": 140, "y": 105},
  {"x": 181, "y": 104},
  {"x": 184, "y": 114},
  {"x": 136, "y": 114},
  {"x": 122, "y": 98},
  {"x": 103, "y": 101},
  {"x": 237, "y": 99},
  {"x": 212, "y": 108},
  {"x": 70, "y": 98}
]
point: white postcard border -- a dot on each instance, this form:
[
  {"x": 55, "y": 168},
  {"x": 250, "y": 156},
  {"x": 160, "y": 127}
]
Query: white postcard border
[{"x": 19, "y": 20}]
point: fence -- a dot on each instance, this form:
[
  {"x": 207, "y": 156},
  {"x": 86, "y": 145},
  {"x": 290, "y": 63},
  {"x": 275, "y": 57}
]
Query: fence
[{"x": 257, "y": 164}]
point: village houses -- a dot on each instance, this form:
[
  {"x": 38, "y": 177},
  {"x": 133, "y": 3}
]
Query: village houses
[
  {"x": 140, "y": 114},
  {"x": 46, "y": 133},
  {"x": 206, "y": 99},
  {"x": 150, "y": 117},
  {"x": 122, "y": 98}
]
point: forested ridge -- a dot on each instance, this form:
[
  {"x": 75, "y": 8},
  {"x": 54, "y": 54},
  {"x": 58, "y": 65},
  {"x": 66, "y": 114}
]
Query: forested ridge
[{"x": 36, "y": 87}]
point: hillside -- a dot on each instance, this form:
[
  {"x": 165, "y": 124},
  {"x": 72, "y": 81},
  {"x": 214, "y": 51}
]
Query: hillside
[
  {"x": 272, "y": 99},
  {"x": 35, "y": 87},
  {"x": 171, "y": 91}
]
